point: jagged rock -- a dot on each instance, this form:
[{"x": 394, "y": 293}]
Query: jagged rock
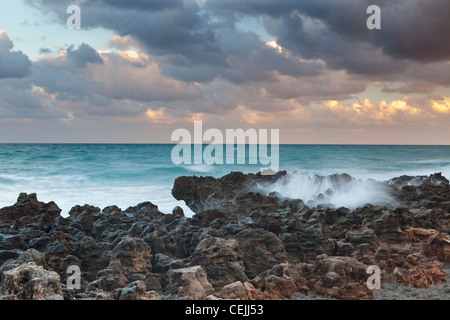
[
  {"x": 134, "y": 291},
  {"x": 6, "y": 255},
  {"x": 243, "y": 244},
  {"x": 221, "y": 259},
  {"x": 205, "y": 218},
  {"x": 109, "y": 280},
  {"x": 178, "y": 212},
  {"x": 161, "y": 263},
  {"x": 30, "y": 282},
  {"x": 240, "y": 291},
  {"x": 78, "y": 210},
  {"x": 86, "y": 221},
  {"x": 145, "y": 209},
  {"x": 341, "y": 277},
  {"x": 233, "y": 291},
  {"x": 312, "y": 241},
  {"x": 24, "y": 257},
  {"x": 339, "y": 248},
  {"x": 133, "y": 254},
  {"x": 8, "y": 242},
  {"x": 435, "y": 179},
  {"x": 360, "y": 236},
  {"x": 99, "y": 295},
  {"x": 29, "y": 206},
  {"x": 292, "y": 245},
  {"x": 153, "y": 282},
  {"x": 281, "y": 282},
  {"x": 423, "y": 276},
  {"x": 439, "y": 247},
  {"x": 207, "y": 193},
  {"x": 261, "y": 250},
  {"x": 189, "y": 283}
]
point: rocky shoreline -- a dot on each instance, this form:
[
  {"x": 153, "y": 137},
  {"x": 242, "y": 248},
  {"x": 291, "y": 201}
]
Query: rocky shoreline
[{"x": 240, "y": 244}]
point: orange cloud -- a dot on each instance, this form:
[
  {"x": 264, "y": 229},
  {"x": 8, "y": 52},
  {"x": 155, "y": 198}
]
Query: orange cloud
[
  {"x": 382, "y": 110},
  {"x": 441, "y": 106},
  {"x": 159, "y": 116},
  {"x": 162, "y": 115},
  {"x": 250, "y": 116},
  {"x": 274, "y": 44}
]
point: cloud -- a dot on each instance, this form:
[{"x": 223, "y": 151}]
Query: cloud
[
  {"x": 134, "y": 76},
  {"x": 83, "y": 55},
  {"x": 124, "y": 84},
  {"x": 141, "y": 4},
  {"x": 45, "y": 51},
  {"x": 249, "y": 59},
  {"x": 407, "y": 31},
  {"x": 421, "y": 78},
  {"x": 308, "y": 66},
  {"x": 200, "y": 41},
  {"x": 13, "y": 64},
  {"x": 416, "y": 30},
  {"x": 17, "y": 98},
  {"x": 442, "y": 105},
  {"x": 5, "y": 43},
  {"x": 190, "y": 44}
]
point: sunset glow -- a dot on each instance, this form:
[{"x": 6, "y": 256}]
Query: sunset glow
[{"x": 294, "y": 67}]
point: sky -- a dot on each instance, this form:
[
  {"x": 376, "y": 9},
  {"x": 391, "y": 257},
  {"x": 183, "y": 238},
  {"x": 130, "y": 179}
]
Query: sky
[{"x": 139, "y": 69}]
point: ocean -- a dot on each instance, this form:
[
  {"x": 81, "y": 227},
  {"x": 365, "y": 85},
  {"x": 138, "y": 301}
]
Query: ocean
[{"x": 128, "y": 174}]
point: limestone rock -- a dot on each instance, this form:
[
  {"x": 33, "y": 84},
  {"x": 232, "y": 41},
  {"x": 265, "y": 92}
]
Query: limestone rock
[
  {"x": 189, "y": 283},
  {"x": 30, "y": 282}
]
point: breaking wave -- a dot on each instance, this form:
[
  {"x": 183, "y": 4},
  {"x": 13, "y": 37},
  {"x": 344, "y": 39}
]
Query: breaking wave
[{"x": 338, "y": 190}]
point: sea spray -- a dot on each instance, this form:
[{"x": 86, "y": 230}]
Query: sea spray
[{"x": 339, "y": 190}]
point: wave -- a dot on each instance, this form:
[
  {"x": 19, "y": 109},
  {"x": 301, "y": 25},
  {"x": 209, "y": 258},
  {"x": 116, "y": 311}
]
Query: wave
[
  {"x": 338, "y": 190},
  {"x": 100, "y": 195},
  {"x": 201, "y": 168},
  {"x": 430, "y": 161},
  {"x": 56, "y": 179}
]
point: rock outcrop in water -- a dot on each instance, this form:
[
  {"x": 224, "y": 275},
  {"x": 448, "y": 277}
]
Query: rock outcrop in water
[{"x": 239, "y": 245}]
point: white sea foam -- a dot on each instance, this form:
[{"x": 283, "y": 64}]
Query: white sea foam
[
  {"x": 337, "y": 190},
  {"x": 200, "y": 168},
  {"x": 68, "y": 191}
]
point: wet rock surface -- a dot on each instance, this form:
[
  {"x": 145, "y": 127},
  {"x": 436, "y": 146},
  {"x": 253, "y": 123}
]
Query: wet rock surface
[{"x": 240, "y": 244}]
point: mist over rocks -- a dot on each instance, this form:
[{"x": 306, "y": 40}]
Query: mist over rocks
[{"x": 239, "y": 244}]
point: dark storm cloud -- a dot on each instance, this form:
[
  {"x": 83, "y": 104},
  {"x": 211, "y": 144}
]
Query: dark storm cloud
[
  {"x": 13, "y": 64},
  {"x": 249, "y": 60},
  {"x": 180, "y": 30},
  {"x": 313, "y": 40},
  {"x": 192, "y": 47},
  {"x": 189, "y": 37},
  {"x": 141, "y": 4},
  {"x": 414, "y": 29},
  {"x": 83, "y": 55},
  {"x": 346, "y": 17}
]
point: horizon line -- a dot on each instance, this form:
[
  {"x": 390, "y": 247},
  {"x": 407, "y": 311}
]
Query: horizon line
[{"x": 173, "y": 143}]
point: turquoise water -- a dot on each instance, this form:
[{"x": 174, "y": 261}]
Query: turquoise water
[{"x": 125, "y": 175}]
